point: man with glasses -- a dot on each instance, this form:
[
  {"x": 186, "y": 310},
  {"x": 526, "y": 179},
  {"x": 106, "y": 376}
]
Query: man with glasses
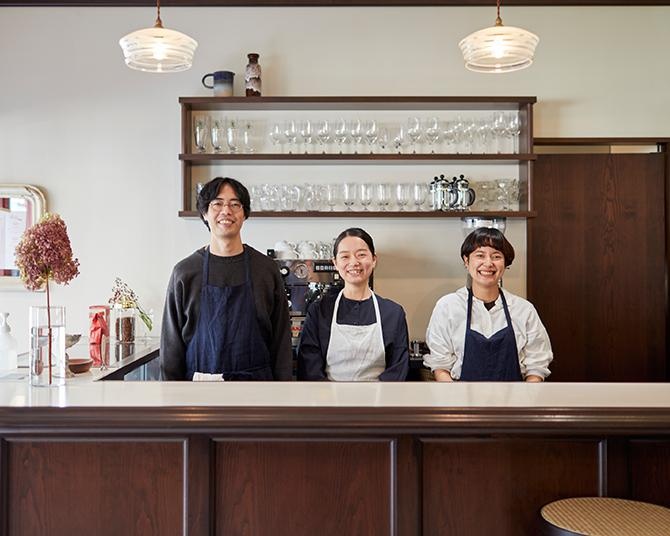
[{"x": 226, "y": 314}]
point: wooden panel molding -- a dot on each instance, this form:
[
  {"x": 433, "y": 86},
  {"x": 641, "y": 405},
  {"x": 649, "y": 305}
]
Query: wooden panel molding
[
  {"x": 480, "y": 487},
  {"x": 102, "y": 487},
  {"x": 300, "y": 487}
]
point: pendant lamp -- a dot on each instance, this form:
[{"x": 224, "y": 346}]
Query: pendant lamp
[
  {"x": 500, "y": 49},
  {"x": 158, "y": 49}
]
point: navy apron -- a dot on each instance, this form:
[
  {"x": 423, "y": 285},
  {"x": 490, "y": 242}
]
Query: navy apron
[
  {"x": 227, "y": 338},
  {"x": 492, "y": 359}
]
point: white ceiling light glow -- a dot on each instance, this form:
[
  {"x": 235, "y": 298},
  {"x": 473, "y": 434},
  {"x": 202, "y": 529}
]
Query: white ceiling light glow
[
  {"x": 158, "y": 49},
  {"x": 499, "y": 49}
]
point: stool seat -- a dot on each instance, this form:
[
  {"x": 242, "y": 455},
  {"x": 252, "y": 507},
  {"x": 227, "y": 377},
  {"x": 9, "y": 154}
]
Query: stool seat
[{"x": 604, "y": 516}]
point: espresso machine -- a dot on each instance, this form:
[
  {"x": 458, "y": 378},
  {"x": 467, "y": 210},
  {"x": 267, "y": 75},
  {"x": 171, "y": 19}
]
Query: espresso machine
[{"x": 306, "y": 281}]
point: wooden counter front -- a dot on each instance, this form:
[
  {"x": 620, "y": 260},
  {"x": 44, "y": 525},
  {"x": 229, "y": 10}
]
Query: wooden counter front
[{"x": 322, "y": 458}]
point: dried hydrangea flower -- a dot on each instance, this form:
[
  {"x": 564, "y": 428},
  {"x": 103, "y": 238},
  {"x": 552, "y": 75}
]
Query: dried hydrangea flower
[{"x": 44, "y": 253}]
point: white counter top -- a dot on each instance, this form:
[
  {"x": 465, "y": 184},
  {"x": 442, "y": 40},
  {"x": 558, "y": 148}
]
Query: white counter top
[{"x": 119, "y": 394}]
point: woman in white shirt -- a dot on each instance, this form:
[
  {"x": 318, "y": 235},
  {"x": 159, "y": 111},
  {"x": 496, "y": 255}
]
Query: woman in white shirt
[{"x": 481, "y": 333}]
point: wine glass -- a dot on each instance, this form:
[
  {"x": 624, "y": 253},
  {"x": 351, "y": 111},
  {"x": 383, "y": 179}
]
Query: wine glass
[
  {"x": 419, "y": 194},
  {"x": 365, "y": 195},
  {"x": 332, "y": 194},
  {"x": 306, "y": 133},
  {"x": 247, "y": 138},
  {"x": 356, "y": 133},
  {"x": 402, "y": 195},
  {"x": 290, "y": 133},
  {"x": 371, "y": 134},
  {"x": 276, "y": 136},
  {"x": 383, "y": 196},
  {"x": 498, "y": 128},
  {"x": 233, "y": 137},
  {"x": 414, "y": 131},
  {"x": 512, "y": 131},
  {"x": 383, "y": 139},
  {"x": 340, "y": 133},
  {"x": 200, "y": 129},
  {"x": 323, "y": 134},
  {"x": 217, "y": 134},
  {"x": 432, "y": 133},
  {"x": 399, "y": 140},
  {"x": 349, "y": 194}
]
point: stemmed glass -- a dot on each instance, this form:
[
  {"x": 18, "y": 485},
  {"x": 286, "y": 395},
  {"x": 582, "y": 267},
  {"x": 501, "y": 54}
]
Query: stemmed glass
[
  {"x": 512, "y": 131},
  {"x": 232, "y": 136},
  {"x": 399, "y": 140},
  {"x": 414, "y": 131},
  {"x": 432, "y": 133},
  {"x": 483, "y": 135},
  {"x": 349, "y": 194},
  {"x": 217, "y": 134},
  {"x": 383, "y": 195},
  {"x": 419, "y": 194},
  {"x": 291, "y": 133},
  {"x": 356, "y": 133},
  {"x": 332, "y": 194},
  {"x": 371, "y": 133},
  {"x": 306, "y": 134},
  {"x": 365, "y": 195},
  {"x": 499, "y": 127},
  {"x": 323, "y": 134},
  {"x": 340, "y": 133},
  {"x": 383, "y": 139},
  {"x": 200, "y": 129},
  {"x": 247, "y": 138},
  {"x": 402, "y": 195},
  {"x": 276, "y": 136}
]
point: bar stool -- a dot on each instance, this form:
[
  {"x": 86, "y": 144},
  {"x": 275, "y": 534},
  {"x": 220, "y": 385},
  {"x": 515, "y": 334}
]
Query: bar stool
[{"x": 603, "y": 516}]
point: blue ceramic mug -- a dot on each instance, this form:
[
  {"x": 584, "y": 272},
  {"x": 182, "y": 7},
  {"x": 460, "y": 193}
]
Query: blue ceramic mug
[{"x": 223, "y": 83}]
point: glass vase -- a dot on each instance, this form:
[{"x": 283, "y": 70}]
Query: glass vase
[{"x": 47, "y": 346}]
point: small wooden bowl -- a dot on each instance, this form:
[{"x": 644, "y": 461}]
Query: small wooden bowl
[{"x": 80, "y": 364}]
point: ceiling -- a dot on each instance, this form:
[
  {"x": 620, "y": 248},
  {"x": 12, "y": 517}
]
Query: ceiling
[{"x": 341, "y": 3}]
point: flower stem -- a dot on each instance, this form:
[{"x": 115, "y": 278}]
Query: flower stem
[{"x": 49, "y": 327}]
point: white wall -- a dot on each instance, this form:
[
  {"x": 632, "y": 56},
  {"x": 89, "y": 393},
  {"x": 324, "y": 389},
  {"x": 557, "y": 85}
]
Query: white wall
[{"x": 102, "y": 140}]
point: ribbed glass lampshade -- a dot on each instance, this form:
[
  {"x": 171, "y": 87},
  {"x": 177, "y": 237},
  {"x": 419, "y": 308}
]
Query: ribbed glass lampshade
[
  {"x": 500, "y": 49},
  {"x": 158, "y": 50}
]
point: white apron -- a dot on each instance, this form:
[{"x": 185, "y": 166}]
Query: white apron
[{"x": 355, "y": 353}]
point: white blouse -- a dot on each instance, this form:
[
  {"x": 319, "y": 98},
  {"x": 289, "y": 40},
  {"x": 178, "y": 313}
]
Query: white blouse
[{"x": 446, "y": 332}]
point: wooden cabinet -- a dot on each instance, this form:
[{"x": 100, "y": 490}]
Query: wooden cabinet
[{"x": 267, "y": 111}]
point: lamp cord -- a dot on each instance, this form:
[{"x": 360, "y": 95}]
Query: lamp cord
[
  {"x": 498, "y": 19},
  {"x": 159, "y": 23}
]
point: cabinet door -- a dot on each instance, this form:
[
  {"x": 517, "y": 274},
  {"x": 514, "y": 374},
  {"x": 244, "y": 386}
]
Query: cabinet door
[{"x": 596, "y": 264}]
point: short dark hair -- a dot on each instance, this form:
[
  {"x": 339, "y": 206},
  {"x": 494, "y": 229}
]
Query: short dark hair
[
  {"x": 358, "y": 233},
  {"x": 488, "y": 236},
  {"x": 211, "y": 189}
]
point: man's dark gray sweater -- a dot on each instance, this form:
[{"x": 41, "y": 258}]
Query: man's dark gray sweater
[{"x": 182, "y": 307}]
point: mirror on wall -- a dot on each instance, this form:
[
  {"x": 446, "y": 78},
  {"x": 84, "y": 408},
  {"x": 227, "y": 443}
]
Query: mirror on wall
[{"x": 21, "y": 205}]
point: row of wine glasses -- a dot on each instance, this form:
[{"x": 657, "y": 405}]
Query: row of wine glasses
[
  {"x": 496, "y": 194},
  {"x": 223, "y": 135},
  {"x": 349, "y": 195},
  {"x": 498, "y": 133}
]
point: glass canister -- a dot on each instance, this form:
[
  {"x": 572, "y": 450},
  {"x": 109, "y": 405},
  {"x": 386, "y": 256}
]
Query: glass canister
[{"x": 123, "y": 324}]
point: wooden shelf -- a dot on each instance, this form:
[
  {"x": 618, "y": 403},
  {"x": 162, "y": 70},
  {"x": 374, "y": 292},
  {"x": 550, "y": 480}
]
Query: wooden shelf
[
  {"x": 355, "y": 103},
  {"x": 195, "y": 165},
  {"x": 379, "y": 214},
  {"x": 363, "y": 158}
]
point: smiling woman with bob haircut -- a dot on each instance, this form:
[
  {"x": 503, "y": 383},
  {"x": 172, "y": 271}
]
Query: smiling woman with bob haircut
[
  {"x": 479, "y": 333},
  {"x": 354, "y": 335}
]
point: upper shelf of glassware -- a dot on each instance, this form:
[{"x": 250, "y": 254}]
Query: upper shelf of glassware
[{"x": 356, "y": 129}]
